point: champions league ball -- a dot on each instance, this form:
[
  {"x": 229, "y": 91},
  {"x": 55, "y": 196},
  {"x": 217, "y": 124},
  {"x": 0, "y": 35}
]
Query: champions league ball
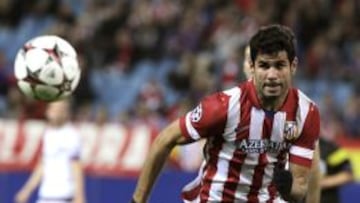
[{"x": 46, "y": 68}]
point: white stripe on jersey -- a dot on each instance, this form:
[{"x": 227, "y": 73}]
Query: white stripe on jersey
[
  {"x": 302, "y": 152},
  {"x": 257, "y": 118},
  {"x": 277, "y": 133},
  {"x": 233, "y": 113},
  {"x": 278, "y": 125},
  {"x": 219, "y": 179},
  {"x": 303, "y": 110},
  {"x": 191, "y": 130}
]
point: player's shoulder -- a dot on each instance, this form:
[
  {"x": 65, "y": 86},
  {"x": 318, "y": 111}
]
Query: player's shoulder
[
  {"x": 302, "y": 95},
  {"x": 215, "y": 106},
  {"x": 306, "y": 101},
  {"x": 221, "y": 99}
]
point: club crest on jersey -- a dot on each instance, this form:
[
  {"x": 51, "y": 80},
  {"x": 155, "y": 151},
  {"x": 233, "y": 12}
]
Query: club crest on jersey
[
  {"x": 291, "y": 131},
  {"x": 196, "y": 114}
]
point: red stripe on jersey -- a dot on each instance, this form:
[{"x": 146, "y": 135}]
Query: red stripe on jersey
[
  {"x": 211, "y": 167},
  {"x": 233, "y": 176},
  {"x": 300, "y": 160},
  {"x": 260, "y": 168},
  {"x": 191, "y": 194},
  {"x": 272, "y": 191},
  {"x": 238, "y": 158}
]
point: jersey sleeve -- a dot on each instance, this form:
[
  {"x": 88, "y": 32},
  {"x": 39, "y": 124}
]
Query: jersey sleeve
[
  {"x": 302, "y": 150},
  {"x": 207, "y": 119}
]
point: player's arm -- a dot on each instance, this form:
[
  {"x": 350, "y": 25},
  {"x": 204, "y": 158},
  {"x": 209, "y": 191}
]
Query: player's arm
[
  {"x": 160, "y": 149},
  {"x": 293, "y": 184},
  {"x": 33, "y": 181},
  {"x": 314, "y": 190},
  {"x": 300, "y": 181},
  {"x": 79, "y": 181}
]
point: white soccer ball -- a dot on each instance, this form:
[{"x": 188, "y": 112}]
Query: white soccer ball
[{"x": 47, "y": 69}]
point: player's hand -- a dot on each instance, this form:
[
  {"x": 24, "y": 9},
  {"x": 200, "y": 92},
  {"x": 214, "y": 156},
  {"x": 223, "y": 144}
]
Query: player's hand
[
  {"x": 78, "y": 201},
  {"x": 22, "y": 196},
  {"x": 283, "y": 180},
  {"x": 133, "y": 201}
]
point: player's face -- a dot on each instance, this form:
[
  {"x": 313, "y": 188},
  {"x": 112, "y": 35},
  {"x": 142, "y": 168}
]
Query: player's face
[
  {"x": 57, "y": 112},
  {"x": 272, "y": 75}
]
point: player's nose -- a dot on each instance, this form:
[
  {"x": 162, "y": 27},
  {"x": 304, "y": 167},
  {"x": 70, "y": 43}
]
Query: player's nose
[{"x": 272, "y": 73}]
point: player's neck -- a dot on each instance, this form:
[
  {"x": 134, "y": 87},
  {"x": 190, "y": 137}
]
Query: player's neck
[
  {"x": 58, "y": 124},
  {"x": 273, "y": 104}
]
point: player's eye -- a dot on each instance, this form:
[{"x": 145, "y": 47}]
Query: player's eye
[
  {"x": 280, "y": 65},
  {"x": 263, "y": 65}
]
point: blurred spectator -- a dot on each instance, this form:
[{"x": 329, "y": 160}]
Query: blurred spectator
[
  {"x": 152, "y": 96},
  {"x": 352, "y": 116},
  {"x": 84, "y": 93},
  {"x": 6, "y": 81}
]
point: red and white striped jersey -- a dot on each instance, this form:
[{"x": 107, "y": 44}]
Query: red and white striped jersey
[{"x": 245, "y": 142}]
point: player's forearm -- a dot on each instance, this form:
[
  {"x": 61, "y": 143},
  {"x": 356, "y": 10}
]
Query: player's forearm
[
  {"x": 300, "y": 179},
  {"x": 153, "y": 165},
  {"x": 314, "y": 190},
  {"x": 79, "y": 182},
  {"x": 298, "y": 190},
  {"x": 34, "y": 179}
]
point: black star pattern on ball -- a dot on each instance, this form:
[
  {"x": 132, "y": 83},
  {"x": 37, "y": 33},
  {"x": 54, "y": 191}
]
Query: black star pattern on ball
[
  {"x": 27, "y": 47},
  {"x": 55, "y": 54},
  {"x": 33, "y": 77},
  {"x": 66, "y": 86}
]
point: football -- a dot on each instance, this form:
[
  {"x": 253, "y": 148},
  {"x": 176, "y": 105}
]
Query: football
[{"x": 46, "y": 68}]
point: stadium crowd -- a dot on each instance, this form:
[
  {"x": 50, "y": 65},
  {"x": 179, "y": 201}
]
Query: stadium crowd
[{"x": 151, "y": 60}]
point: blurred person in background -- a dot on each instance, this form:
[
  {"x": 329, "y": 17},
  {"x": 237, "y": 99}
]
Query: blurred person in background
[
  {"x": 335, "y": 170},
  {"x": 59, "y": 171},
  {"x": 247, "y": 62},
  {"x": 249, "y": 130}
]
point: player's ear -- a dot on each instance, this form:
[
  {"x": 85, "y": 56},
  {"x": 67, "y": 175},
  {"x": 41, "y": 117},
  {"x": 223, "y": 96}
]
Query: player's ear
[
  {"x": 252, "y": 67},
  {"x": 294, "y": 65}
]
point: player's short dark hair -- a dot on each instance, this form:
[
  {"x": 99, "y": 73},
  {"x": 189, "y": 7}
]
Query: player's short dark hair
[{"x": 272, "y": 39}]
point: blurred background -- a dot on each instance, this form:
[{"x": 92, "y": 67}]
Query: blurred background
[{"x": 145, "y": 62}]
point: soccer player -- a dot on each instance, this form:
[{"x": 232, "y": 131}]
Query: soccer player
[
  {"x": 314, "y": 189},
  {"x": 249, "y": 131},
  {"x": 60, "y": 170}
]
